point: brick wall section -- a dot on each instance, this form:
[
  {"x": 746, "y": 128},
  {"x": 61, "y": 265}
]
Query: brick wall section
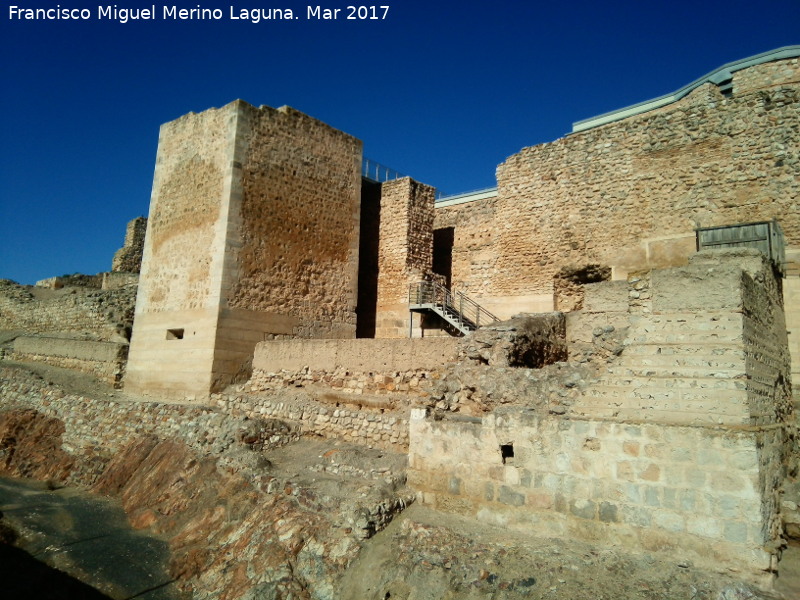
[
  {"x": 405, "y": 253},
  {"x": 629, "y": 194},
  {"x": 81, "y": 312},
  {"x": 128, "y": 259}
]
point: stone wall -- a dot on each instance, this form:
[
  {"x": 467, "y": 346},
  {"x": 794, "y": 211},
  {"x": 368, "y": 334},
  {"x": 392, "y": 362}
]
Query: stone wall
[
  {"x": 128, "y": 259},
  {"x": 368, "y": 427},
  {"x": 172, "y": 347},
  {"x": 378, "y": 356},
  {"x": 692, "y": 492},
  {"x": 78, "y": 312},
  {"x": 629, "y": 194},
  {"x": 105, "y": 360},
  {"x": 472, "y": 258},
  {"x": 294, "y": 238},
  {"x": 681, "y": 443},
  {"x": 405, "y": 253},
  {"x": 252, "y": 235}
]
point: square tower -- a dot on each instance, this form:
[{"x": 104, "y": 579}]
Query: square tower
[{"x": 252, "y": 235}]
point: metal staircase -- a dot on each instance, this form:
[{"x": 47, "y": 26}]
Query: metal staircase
[{"x": 461, "y": 312}]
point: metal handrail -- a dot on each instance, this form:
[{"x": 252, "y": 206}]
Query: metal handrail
[
  {"x": 377, "y": 172},
  {"x": 463, "y": 308}
]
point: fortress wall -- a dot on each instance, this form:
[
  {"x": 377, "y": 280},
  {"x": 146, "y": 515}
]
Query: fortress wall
[
  {"x": 629, "y": 194},
  {"x": 105, "y": 360},
  {"x": 128, "y": 259},
  {"x": 74, "y": 311},
  {"x": 252, "y": 235},
  {"x": 172, "y": 348},
  {"x": 379, "y": 355},
  {"x": 293, "y": 234},
  {"x": 473, "y": 256},
  {"x": 405, "y": 253},
  {"x": 681, "y": 444}
]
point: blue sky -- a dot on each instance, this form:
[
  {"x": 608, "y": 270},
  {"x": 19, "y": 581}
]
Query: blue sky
[{"x": 442, "y": 91}]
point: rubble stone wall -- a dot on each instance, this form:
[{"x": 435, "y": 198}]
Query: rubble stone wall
[
  {"x": 473, "y": 256},
  {"x": 681, "y": 443},
  {"x": 81, "y": 312},
  {"x": 629, "y": 194},
  {"x": 128, "y": 259},
  {"x": 405, "y": 253},
  {"x": 295, "y": 221}
]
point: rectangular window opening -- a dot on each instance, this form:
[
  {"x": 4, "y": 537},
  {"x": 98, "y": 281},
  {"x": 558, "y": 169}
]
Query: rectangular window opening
[
  {"x": 507, "y": 453},
  {"x": 174, "y": 334}
]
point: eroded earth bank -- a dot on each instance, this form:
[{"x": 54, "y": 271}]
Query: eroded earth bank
[{"x": 260, "y": 511}]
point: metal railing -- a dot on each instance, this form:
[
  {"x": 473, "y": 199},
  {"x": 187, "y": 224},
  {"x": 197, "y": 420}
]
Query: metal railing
[
  {"x": 378, "y": 172},
  {"x": 462, "y": 309}
]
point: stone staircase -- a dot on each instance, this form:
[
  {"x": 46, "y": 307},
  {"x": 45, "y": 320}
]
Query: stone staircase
[{"x": 680, "y": 367}]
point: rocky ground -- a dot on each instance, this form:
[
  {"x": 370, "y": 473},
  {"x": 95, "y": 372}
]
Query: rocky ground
[{"x": 320, "y": 519}]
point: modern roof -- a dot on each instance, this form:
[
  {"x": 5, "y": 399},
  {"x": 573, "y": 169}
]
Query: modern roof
[{"x": 720, "y": 76}]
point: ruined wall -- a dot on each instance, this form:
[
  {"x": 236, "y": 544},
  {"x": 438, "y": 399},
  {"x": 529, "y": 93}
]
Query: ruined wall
[
  {"x": 629, "y": 194},
  {"x": 253, "y": 234},
  {"x": 680, "y": 444},
  {"x": 473, "y": 257},
  {"x": 75, "y": 312},
  {"x": 104, "y": 360},
  {"x": 128, "y": 259},
  {"x": 405, "y": 253}
]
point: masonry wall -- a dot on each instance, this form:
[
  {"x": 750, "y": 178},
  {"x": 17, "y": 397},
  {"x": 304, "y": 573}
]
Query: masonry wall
[
  {"x": 128, "y": 259},
  {"x": 629, "y": 194},
  {"x": 692, "y": 492},
  {"x": 76, "y": 312},
  {"x": 473, "y": 257},
  {"x": 104, "y": 360},
  {"x": 294, "y": 225},
  {"x": 706, "y": 344},
  {"x": 172, "y": 348},
  {"x": 681, "y": 444},
  {"x": 405, "y": 253},
  {"x": 253, "y": 234},
  {"x": 378, "y": 355}
]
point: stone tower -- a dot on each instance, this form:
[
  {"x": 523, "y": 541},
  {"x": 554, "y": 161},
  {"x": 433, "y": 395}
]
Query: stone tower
[{"x": 252, "y": 235}]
